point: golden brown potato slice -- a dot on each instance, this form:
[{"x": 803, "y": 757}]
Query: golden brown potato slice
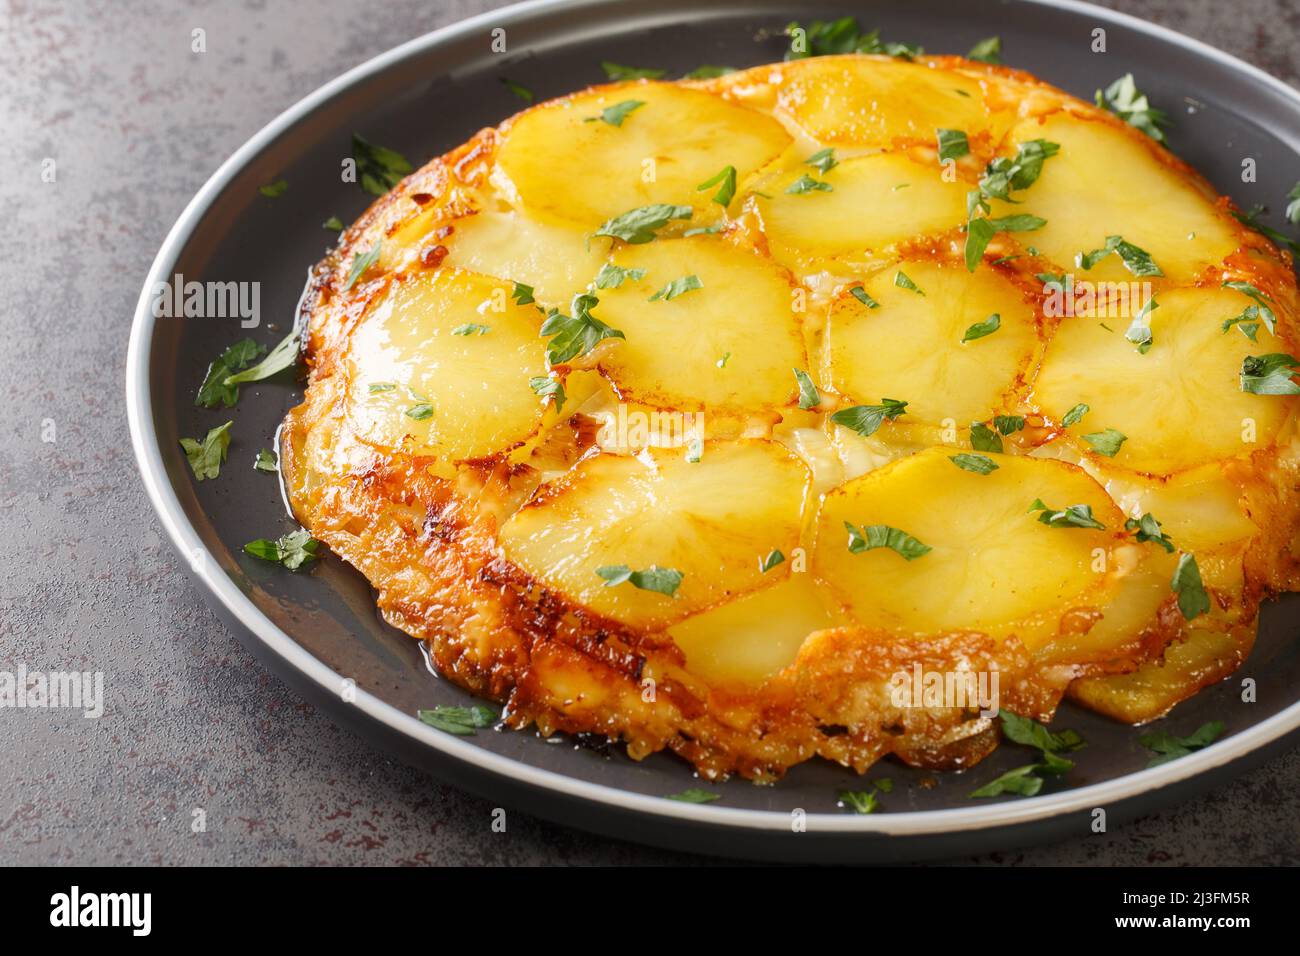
[
  {"x": 661, "y": 510},
  {"x": 874, "y": 203},
  {"x": 992, "y": 566},
  {"x": 1180, "y": 404},
  {"x": 872, "y": 101},
  {"x": 724, "y": 338},
  {"x": 563, "y": 160},
  {"x": 440, "y": 366},
  {"x": 911, "y": 346},
  {"x": 1106, "y": 182}
]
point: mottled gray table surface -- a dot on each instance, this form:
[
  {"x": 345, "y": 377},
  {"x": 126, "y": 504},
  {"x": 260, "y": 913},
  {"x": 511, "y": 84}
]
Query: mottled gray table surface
[{"x": 136, "y": 123}]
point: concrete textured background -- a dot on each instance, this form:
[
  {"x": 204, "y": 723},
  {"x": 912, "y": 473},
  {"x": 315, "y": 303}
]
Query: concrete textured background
[{"x": 136, "y": 123}]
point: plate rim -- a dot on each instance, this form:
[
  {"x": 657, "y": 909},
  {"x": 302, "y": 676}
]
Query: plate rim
[{"x": 222, "y": 588}]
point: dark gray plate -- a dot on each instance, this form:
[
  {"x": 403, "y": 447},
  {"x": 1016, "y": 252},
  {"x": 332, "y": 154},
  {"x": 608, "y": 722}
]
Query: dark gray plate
[{"x": 319, "y": 629}]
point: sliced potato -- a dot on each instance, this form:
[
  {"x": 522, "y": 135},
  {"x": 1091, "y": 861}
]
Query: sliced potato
[
  {"x": 910, "y": 347},
  {"x": 659, "y": 509},
  {"x": 1211, "y": 652},
  {"x": 1181, "y": 403},
  {"x": 874, "y": 203},
  {"x": 425, "y": 378},
  {"x": 1103, "y": 183},
  {"x": 563, "y": 160},
  {"x": 992, "y": 565},
  {"x": 554, "y": 258},
  {"x": 1199, "y": 509},
  {"x": 729, "y": 344},
  {"x": 752, "y": 638},
  {"x": 872, "y": 101}
]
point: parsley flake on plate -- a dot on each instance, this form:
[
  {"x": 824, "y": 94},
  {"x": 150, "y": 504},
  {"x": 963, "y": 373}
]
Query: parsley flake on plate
[
  {"x": 293, "y": 550},
  {"x": 206, "y": 456}
]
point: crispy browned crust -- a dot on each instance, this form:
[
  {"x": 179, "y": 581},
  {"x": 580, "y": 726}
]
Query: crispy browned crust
[{"x": 428, "y": 546}]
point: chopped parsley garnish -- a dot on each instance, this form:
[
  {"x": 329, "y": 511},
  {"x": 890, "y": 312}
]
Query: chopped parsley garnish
[
  {"x": 617, "y": 71},
  {"x": 981, "y": 329},
  {"x": 1073, "y": 516},
  {"x": 979, "y": 464},
  {"x": 1022, "y": 782},
  {"x": 293, "y": 550},
  {"x": 376, "y": 387},
  {"x": 1270, "y": 374},
  {"x": 1000, "y": 177},
  {"x": 461, "y": 721},
  {"x": 1251, "y": 219},
  {"x": 547, "y": 387},
  {"x": 860, "y": 801},
  {"x": 614, "y": 115},
  {"x": 1031, "y": 733},
  {"x": 1137, "y": 260},
  {"x": 809, "y": 397},
  {"x": 1028, "y": 780},
  {"x": 883, "y": 536},
  {"x": 1007, "y": 424},
  {"x": 1004, "y": 174},
  {"x": 867, "y": 419},
  {"x": 611, "y": 276},
  {"x": 1021, "y": 222},
  {"x": 1106, "y": 442},
  {"x": 1125, "y": 100},
  {"x": 987, "y": 51},
  {"x": 952, "y": 144},
  {"x": 695, "y": 795},
  {"x": 771, "y": 561},
  {"x": 523, "y": 294},
  {"x": 829, "y": 37},
  {"x": 1247, "y": 322},
  {"x": 677, "y": 287},
  {"x": 523, "y": 92},
  {"x": 660, "y": 580},
  {"x": 471, "y": 328},
  {"x": 266, "y": 461},
  {"x": 420, "y": 411},
  {"x": 361, "y": 262},
  {"x": 205, "y": 457},
  {"x": 1147, "y": 528},
  {"x": 708, "y": 72},
  {"x": 1075, "y": 415},
  {"x": 903, "y": 282},
  {"x": 379, "y": 169},
  {"x": 1169, "y": 747},
  {"x": 722, "y": 362},
  {"x": 283, "y": 356},
  {"x": 725, "y": 180},
  {"x": 577, "y": 334},
  {"x": 1253, "y": 314},
  {"x": 983, "y": 438},
  {"x": 214, "y": 391},
  {"x": 861, "y": 295},
  {"x": 806, "y": 184},
  {"x": 1193, "y": 601},
  {"x": 271, "y": 190},
  {"x": 981, "y": 230},
  {"x": 639, "y": 225},
  {"x": 1139, "y": 330},
  {"x": 333, "y": 224},
  {"x": 823, "y": 160}
]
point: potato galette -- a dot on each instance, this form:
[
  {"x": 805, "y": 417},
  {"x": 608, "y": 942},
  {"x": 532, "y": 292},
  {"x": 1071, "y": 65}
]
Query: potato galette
[{"x": 704, "y": 414}]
